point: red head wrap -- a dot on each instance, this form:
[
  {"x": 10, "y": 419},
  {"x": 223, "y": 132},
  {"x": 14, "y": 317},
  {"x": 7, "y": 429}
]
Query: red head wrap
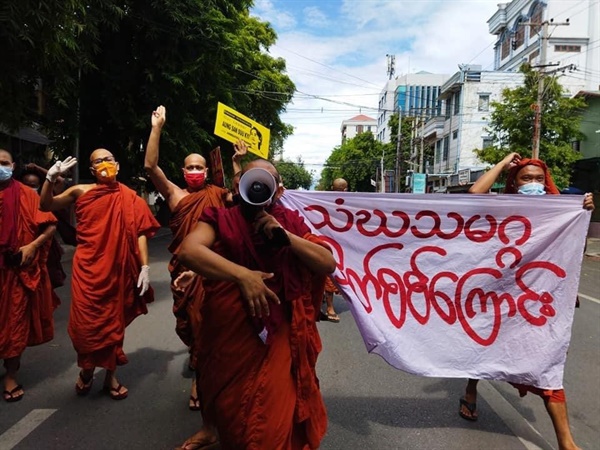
[{"x": 511, "y": 186}]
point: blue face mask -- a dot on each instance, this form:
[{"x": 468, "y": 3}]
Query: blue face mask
[
  {"x": 532, "y": 189},
  {"x": 5, "y": 173}
]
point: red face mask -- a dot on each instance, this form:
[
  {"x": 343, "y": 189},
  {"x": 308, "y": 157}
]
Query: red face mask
[{"x": 195, "y": 180}]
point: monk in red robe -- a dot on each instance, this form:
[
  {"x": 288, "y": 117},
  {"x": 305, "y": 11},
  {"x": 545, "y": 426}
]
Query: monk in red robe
[
  {"x": 529, "y": 177},
  {"x": 27, "y": 301},
  {"x": 186, "y": 206},
  {"x": 113, "y": 225},
  {"x": 264, "y": 276}
]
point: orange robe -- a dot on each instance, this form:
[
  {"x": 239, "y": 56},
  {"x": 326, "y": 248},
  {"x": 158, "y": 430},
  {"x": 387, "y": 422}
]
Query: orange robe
[
  {"x": 27, "y": 301},
  {"x": 183, "y": 220},
  {"x": 106, "y": 265},
  {"x": 261, "y": 395}
]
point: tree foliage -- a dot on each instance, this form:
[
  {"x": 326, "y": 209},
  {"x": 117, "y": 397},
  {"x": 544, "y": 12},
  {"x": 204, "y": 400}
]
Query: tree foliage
[
  {"x": 294, "y": 174},
  {"x": 512, "y": 121},
  {"x": 115, "y": 61},
  {"x": 356, "y": 160}
]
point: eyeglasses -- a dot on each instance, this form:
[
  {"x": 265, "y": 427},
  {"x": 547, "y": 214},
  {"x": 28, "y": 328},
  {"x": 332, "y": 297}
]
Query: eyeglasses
[{"x": 95, "y": 162}]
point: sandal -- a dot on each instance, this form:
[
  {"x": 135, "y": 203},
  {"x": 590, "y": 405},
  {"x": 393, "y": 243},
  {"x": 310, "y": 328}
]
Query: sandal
[
  {"x": 330, "y": 317},
  {"x": 472, "y": 407},
  {"x": 194, "y": 403},
  {"x": 11, "y": 397},
  {"x": 115, "y": 393},
  {"x": 86, "y": 384}
]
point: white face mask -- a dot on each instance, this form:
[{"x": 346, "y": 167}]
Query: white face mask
[
  {"x": 532, "y": 188},
  {"x": 5, "y": 173}
]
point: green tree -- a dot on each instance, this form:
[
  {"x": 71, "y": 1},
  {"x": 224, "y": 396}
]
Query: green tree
[
  {"x": 115, "y": 61},
  {"x": 357, "y": 161},
  {"x": 512, "y": 120},
  {"x": 294, "y": 174}
]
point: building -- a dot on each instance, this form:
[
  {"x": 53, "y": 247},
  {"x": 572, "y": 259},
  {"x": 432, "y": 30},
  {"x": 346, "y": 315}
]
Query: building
[
  {"x": 462, "y": 128},
  {"x": 358, "y": 124},
  {"x": 414, "y": 95},
  {"x": 572, "y": 50}
]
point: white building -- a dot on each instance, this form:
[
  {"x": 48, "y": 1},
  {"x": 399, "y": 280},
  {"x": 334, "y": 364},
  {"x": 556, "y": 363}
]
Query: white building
[
  {"x": 466, "y": 98},
  {"x": 414, "y": 94},
  {"x": 573, "y": 46},
  {"x": 358, "y": 124}
]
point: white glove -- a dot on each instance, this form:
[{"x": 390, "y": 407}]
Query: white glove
[
  {"x": 60, "y": 168},
  {"x": 144, "y": 280}
]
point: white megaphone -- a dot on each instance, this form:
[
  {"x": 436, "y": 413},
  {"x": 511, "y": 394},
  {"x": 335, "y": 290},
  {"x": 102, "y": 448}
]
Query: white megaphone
[{"x": 257, "y": 187}]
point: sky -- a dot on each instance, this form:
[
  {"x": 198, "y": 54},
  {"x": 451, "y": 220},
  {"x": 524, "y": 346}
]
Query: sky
[{"x": 336, "y": 55}]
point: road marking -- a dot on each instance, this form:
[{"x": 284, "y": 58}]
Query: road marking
[
  {"x": 20, "y": 430},
  {"x": 522, "y": 429},
  {"x": 587, "y": 297}
]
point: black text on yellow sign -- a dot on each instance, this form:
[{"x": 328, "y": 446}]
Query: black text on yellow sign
[{"x": 233, "y": 126}]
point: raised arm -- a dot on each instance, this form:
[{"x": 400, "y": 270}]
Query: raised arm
[
  {"x": 241, "y": 150},
  {"x": 48, "y": 202},
  {"x": 487, "y": 180},
  {"x": 170, "y": 191}
]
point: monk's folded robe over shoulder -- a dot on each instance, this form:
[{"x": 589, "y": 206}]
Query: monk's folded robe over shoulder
[
  {"x": 27, "y": 301},
  {"x": 262, "y": 391},
  {"x": 106, "y": 265},
  {"x": 184, "y": 218}
]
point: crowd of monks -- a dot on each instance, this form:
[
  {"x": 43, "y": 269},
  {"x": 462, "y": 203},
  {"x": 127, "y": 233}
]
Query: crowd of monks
[{"x": 248, "y": 280}]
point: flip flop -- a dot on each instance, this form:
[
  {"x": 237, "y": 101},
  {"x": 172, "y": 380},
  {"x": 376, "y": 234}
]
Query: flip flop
[
  {"x": 115, "y": 393},
  {"x": 11, "y": 394},
  {"x": 472, "y": 407},
  {"x": 196, "y": 404},
  {"x": 330, "y": 317},
  {"x": 87, "y": 384}
]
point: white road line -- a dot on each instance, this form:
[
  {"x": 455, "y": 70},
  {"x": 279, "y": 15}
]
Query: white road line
[
  {"x": 522, "y": 429},
  {"x": 587, "y": 297},
  {"x": 20, "y": 430}
]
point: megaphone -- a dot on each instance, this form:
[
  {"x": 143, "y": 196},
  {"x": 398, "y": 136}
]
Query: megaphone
[{"x": 257, "y": 187}]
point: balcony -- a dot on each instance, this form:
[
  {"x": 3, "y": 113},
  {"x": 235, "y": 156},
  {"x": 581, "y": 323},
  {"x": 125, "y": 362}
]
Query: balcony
[{"x": 497, "y": 23}]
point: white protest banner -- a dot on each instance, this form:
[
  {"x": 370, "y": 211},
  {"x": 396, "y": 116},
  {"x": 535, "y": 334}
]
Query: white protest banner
[{"x": 479, "y": 286}]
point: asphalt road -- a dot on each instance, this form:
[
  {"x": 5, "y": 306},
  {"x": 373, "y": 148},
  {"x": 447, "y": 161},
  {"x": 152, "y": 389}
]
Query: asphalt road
[{"x": 370, "y": 404}]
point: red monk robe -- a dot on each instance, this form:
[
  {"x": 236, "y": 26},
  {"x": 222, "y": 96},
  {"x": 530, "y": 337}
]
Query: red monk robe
[
  {"x": 27, "y": 301},
  {"x": 184, "y": 218},
  {"x": 261, "y": 396},
  {"x": 106, "y": 265}
]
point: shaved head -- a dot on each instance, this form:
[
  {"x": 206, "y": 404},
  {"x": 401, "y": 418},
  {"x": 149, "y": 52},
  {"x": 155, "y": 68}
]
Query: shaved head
[
  {"x": 339, "y": 184},
  {"x": 263, "y": 164},
  {"x": 100, "y": 153},
  {"x": 194, "y": 159},
  {"x": 6, "y": 155}
]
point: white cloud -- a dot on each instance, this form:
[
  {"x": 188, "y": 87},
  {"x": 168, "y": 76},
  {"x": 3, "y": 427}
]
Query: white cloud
[
  {"x": 347, "y": 63},
  {"x": 315, "y": 18},
  {"x": 279, "y": 20}
]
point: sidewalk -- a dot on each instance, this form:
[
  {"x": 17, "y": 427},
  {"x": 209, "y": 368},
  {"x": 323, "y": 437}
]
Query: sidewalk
[{"x": 593, "y": 248}]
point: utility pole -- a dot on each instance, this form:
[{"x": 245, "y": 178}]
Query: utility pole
[
  {"x": 421, "y": 156},
  {"x": 398, "y": 147},
  {"x": 537, "y": 124}
]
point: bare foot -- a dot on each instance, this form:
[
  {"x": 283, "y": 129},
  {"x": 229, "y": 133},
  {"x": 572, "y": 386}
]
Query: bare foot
[
  {"x": 204, "y": 439},
  {"x": 13, "y": 392}
]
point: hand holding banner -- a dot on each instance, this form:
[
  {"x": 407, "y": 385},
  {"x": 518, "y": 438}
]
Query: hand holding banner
[{"x": 233, "y": 126}]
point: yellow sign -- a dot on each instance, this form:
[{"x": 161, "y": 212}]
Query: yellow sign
[{"x": 232, "y": 126}]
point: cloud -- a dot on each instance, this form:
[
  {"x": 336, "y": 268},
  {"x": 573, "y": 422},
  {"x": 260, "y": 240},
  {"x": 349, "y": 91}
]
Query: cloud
[
  {"x": 315, "y": 18},
  {"x": 346, "y": 63}
]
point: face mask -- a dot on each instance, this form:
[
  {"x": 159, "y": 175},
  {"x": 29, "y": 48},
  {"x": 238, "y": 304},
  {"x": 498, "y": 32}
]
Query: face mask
[
  {"x": 106, "y": 171},
  {"x": 5, "y": 173},
  {"x": 194, "y": 180},
  {"x": 34, "y": 189},
  {"x": 532, "y": 189}
]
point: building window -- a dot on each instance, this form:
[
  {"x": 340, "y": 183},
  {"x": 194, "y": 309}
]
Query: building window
[
  {"x": 534, "y": 55},
  {"x": 456, "y": 103},
  {"x": 448, "y": 107},
  {"x": 536, "y": 18},
  {"x": 486, "y": 142},
  {"x": 368, "y": 127},
  {"x": 446, "y": 148},
  {"x": 505, "y": 49},
  {"x": 567, "y": 48},
  {"x": 576, "y": 145},
  {"x": 484, "y": 103},
  {"x": 438, "y": 151},
  {"x": 455, "y": 134},
  {"x": 359, "y": 129},
  {"x": 519, "y": 36}
]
